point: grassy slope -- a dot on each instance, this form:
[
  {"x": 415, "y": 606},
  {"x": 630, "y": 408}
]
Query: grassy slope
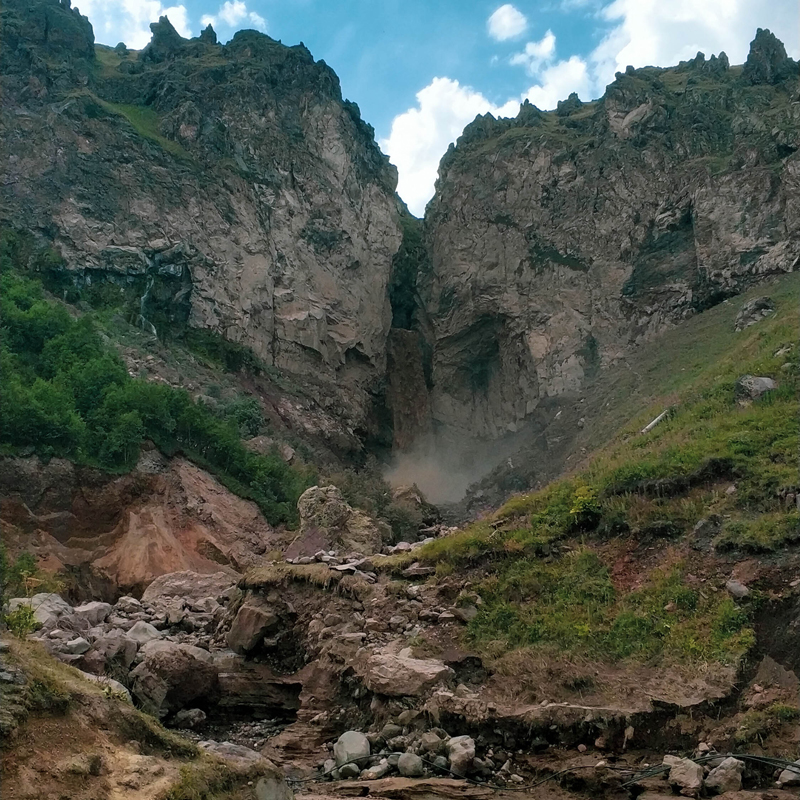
[{"x": 542, "y": 562}]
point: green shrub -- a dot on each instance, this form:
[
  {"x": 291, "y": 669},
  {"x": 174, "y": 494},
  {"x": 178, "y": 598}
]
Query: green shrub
[
  {"x": 64, "y": 392},
  {"x": 21, "y": 621}
]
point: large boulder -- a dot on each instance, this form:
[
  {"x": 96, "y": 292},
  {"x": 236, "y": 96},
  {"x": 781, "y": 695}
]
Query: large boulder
[
  {"x": 190, "y": 586},
  {"x": 172, "y": 676},
  {"x": 727, "y": 777},
  {"x": 751, "y": 387},
  {"x": 143, "y": 632},
  {"x": 351, "y": 746},
  {"x": 399, "y": 674},
  {"x": 250, "y": 626},
  {"x": 790, "y": 776},
  {"x": 324, "y": 510},
  {"x": 410, "y": 765},
  {"x": 95, "y": 612}
]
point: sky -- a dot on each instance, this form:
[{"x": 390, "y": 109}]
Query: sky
[{"x": 420, "y": 70}]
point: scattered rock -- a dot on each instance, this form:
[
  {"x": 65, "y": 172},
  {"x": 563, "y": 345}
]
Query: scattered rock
[
  {"x": 737, "y": 590},
  {"x": 78, "y": 646},
  {"x": 143, "y": 632},
  {"x": 754, "y": 311},
  {"x": 727, "y": 777},
  {"x": 249, "y": 628},
  {"x": 685, "y": 775},
  {"x": 94, "y": 613},
  {"x": 410, "y": 766},
  {"x": 751, "y": 387},
  {"x": 461, "y": 750},
  {"x": 234, "y": 753}
]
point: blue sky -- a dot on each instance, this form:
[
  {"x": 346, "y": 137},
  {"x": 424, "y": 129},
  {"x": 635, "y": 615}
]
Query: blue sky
[{"x": 422, "y": 70}]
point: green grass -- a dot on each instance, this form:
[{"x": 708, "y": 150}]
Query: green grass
[
  {"x": 146, "y": 123},
  {"x": 649, "y": 487},
  {"x": 571, "y": 603}
]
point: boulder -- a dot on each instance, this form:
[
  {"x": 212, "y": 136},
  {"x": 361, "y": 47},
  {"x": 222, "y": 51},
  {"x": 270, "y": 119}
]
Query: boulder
[
  {"x": 273, "y": 787},
  {"x": 790, "y": 776},
  {"x": 172, "y": 676},
  {"x": 399, "y": 674},
  {"x": 95, "y": 612},
  {"x": 410, "y": 766},
  {"x": 737, "y": 590},
  {"x": 685, "y": 775},
  {"x": 431, "y": 743},
  {"x": 249, "y": 627},
  {"x": 109, "y": 684},
  {"x": 727, "y": 777},
  {"x": 461, "y": 751},
  {"x": 351, "y": 746},
  {"x": 324, "y": 509},
  {"x": 48, "y": 608},
  {"x": 753, "y": 311},
  {"x": 143, "y": 632},
  {"x": 236, "y": 754},
  {"x": 751, "y": 387},
  {"x": 116, "y": 646},
  {"x": 189, "y": 718},
  {"x": 78, "y": 646},
  {"x": 189, "y": 586},
  {"x": 128, "y": 605}
]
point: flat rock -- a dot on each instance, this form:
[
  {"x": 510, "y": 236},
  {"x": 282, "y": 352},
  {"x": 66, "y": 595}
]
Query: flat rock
[
  {"x": 143, "y": 632},
  {"x": 190, "y": 586},
  {"x": 399, "y": 674}
]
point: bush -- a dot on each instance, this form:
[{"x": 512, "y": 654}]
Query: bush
[
  {"x": 21, "y": 621},
  {"x": 65, "y": 393}
]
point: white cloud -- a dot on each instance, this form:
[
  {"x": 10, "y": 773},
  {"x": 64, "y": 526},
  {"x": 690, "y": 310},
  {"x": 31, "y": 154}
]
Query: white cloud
[
  {"x": 643, "y": 32},
  {"x": 231, "y": 13},
  {"x": 536, "y": 53},
  {"x": 506, "y": 23},
  {"x": 558, "y": 81},
  {"x": 129, "y": 20},
  {"x": 649, "y": 32},
  {"x": 420, "y": 136}
]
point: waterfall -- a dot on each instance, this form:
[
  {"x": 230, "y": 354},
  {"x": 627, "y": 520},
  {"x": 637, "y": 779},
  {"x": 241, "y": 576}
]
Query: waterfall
[{"x": 142, "y": 321}]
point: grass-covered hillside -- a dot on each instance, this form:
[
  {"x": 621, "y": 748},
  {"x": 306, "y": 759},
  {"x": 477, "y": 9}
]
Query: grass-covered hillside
[
  {"x": 627, "y": 556},
  {"x": 65, "y": 391}
]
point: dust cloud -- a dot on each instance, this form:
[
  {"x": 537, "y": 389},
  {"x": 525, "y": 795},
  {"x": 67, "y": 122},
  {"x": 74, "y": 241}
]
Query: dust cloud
[{"x": 444, "y": 466}]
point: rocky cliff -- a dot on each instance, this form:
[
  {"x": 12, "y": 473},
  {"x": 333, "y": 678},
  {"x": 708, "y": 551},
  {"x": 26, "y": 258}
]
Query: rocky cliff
[
  {"x": 558, "y": 241},
  {"x": 231, "y": 186}
]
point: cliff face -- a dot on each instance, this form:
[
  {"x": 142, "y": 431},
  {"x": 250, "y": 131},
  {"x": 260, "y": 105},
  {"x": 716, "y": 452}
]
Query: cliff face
[
  {"x": 230, "y": 183},
  {"x": 557, "y": 241},
  {"x": 234, "y": 190}
]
